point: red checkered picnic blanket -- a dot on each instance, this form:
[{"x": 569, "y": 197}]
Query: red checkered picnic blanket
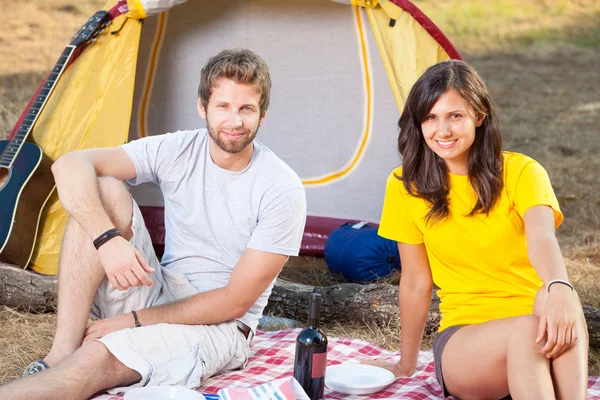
[{"x": 273, "y": 358}]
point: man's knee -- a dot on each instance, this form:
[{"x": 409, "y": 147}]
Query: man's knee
[
  {"x": 117, "y": 202},
  {"x": 96, "y": 356},
  {"x": 93, "y": 354}
]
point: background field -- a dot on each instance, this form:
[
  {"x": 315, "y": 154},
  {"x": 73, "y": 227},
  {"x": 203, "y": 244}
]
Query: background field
[{"x": 540, "y": 59}]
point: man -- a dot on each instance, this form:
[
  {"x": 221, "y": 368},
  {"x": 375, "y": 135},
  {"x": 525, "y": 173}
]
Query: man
[{"x": 234, "y": 212}]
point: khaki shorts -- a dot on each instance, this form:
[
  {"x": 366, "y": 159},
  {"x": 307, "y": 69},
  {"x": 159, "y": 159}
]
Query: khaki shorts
[{"x": 166, "y": 354}]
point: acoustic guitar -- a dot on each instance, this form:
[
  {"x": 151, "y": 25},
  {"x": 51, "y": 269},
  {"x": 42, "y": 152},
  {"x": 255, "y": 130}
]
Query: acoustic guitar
[{"x": 26, "y": 181}]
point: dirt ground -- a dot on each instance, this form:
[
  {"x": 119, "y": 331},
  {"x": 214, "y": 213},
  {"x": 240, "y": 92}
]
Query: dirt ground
[{"x": 549, "y": 104}]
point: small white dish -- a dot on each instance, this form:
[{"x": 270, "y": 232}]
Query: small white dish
[
  {"x": 357, "y": 378},
  {"x": 163, "y": 393}
]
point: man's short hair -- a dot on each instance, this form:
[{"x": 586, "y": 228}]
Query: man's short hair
[{"x": 241, "y": 66}]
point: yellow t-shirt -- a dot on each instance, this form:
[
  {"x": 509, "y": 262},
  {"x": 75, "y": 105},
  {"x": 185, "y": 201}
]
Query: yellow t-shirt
[{"x": 480, "y": 263}]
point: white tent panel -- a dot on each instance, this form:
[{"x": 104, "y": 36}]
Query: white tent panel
[{"x": 332, "y": 116}]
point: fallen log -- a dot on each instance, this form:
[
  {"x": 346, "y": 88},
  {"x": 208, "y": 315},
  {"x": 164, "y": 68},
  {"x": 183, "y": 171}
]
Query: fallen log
[
  {"x": 371, "y": 303},
  {"x": 347, "y": 302},
  {"x": 27, "y": 290}
]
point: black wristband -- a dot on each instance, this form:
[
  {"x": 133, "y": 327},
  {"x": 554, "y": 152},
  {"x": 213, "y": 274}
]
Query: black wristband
[
  {"x": 136, "y": 320},
  {"x": 105, "y": 237}
]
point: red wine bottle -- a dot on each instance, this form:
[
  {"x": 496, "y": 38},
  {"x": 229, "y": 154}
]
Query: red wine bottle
[{"x": 311, "y": 353}]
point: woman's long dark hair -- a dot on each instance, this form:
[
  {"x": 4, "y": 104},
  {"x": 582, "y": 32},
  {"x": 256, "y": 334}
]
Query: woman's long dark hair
[{"x": 424, "y": 173}]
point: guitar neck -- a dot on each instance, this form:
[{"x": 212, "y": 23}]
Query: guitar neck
[{"x": 14, "y": 146}]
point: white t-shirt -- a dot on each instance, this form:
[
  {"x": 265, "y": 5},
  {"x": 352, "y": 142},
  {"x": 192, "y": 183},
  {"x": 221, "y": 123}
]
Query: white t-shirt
[{"x": 212, "y": 215}]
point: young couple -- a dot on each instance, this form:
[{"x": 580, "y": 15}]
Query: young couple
[{"x": 476, "y": 221}]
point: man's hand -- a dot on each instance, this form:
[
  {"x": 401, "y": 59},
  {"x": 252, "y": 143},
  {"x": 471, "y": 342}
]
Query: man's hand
[
  {"x": 395, "y": 368},
  {"x": 124, "y": 265},
  {"x": 559, "y": 320},
  {"x": 103, "y": 327}
]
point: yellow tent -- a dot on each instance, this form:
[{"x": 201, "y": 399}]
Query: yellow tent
[{"x": 335, "y": 98}]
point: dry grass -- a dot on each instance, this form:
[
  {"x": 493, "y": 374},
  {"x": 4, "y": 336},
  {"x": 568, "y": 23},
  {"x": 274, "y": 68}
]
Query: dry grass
[
  {"x": 538, "y": 57},
  {"x": 23, "y": 338},
  {"x": 484, "y": 26},
  {"x": 583, "y": 264},
  {"x": 33, "y": 34}
]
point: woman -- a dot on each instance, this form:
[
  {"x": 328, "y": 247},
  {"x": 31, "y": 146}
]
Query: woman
[{"x": 480, "y": 223}]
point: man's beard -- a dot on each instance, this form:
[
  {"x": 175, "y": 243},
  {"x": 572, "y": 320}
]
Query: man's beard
[{"x": 231, "y": 146}]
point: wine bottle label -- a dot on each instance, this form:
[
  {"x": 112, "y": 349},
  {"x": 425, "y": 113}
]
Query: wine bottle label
[{"x": 319, "y": 362}]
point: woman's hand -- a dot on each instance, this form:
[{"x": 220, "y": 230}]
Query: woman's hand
[
  {"x": 395, "y": 368},
  {"x": 559, "y": 321}
]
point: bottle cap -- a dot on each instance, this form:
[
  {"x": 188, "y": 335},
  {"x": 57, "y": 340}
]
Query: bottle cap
[{"x": 314, "y": 305}]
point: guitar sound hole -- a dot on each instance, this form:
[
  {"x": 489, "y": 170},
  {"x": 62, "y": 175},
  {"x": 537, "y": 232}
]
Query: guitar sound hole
[{"x": 3, "y": 176}]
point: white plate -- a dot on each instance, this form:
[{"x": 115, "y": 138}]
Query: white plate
[
  {"x": 357, "y": 378},
  {"x": 163, "y": 393}
]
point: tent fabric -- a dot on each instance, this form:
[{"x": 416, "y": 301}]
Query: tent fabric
[
  {"x": 348, "y": 98},
  {"x": 315, "y": 236},
  {"x": 147, "y": 8},
  {"x": 333, "y": 111},
  {"x": 406, "y": 62}
]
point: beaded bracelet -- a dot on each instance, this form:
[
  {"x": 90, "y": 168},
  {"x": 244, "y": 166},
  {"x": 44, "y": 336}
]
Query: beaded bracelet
[
  {"x": 105, "y": 237},
  {"x": 558, "y": 281}
]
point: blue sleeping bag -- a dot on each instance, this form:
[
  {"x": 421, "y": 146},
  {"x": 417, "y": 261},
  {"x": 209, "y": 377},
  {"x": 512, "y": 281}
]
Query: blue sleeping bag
[{"x": 359, "y": 254}]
